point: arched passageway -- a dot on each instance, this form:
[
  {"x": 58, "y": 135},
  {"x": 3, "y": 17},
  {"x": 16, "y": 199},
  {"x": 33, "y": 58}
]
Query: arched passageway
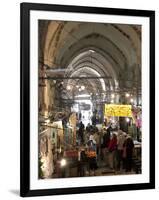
[{"x": 82, "y": 68}]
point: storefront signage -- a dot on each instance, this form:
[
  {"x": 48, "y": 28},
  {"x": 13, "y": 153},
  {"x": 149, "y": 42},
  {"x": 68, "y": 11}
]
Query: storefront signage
[{"x": 118, "y": 110}]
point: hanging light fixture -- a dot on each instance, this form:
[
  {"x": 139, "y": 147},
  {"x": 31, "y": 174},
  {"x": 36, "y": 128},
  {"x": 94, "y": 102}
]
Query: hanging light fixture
[
  {"x": 112, "y": 101},
  {"x": 127, "y": 95},
  {"x": 63, "y": 162},
  {"x": 68, "y": 87},
  {"x": 127, "y": 120},
  {"x": 82, "y": 87},
  {"x": 112, "y": 96},
  {"x": 131, "y": 100}
]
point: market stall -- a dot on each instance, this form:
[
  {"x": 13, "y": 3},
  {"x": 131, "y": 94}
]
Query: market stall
[{"x": 127, "y": 116}]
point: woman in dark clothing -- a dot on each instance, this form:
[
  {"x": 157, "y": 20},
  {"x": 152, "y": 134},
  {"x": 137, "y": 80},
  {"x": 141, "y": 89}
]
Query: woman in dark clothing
[
  {"x": 104, "y": 148},
  {"x": 91, "y": 154},
  {"x": 129, "y": 146},
  {"x": 81, "y": 131},
  {"x": 82, "y": 161}
]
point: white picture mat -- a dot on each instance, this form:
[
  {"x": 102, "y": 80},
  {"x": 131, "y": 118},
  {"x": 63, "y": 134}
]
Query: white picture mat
[{"x": 35, "y": 183}]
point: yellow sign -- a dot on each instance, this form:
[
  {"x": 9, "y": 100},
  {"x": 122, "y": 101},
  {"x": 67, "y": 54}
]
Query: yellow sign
[{"x": 118, "y": 110}]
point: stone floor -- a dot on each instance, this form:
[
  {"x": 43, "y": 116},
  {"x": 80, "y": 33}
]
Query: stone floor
[{"x": 102, "y": 170}]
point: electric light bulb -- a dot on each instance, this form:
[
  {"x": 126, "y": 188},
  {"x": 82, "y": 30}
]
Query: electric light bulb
[
  {"x": 112, "y": 101},
  {"x": 63, "y": 162},
  {"x": 82, "y": 87},
  {"x": 127, "y": 119},
  {"x": 131, "y": 100},
  {"x": 68, "y": 87},
  {"x": 113, "y": 96},
  {"x": 127, "y": 94}
]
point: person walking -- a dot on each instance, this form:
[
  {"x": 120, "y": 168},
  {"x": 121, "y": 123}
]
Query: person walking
[
  {"x": 104, "y": 146},
  {"x": 129, "y": 146},
  {"x": 91, "y": 154},
  {"x": 119, "y": 154},
  {"x": 82, "y": 161},
  {"x": 81, "y": 132},
  {"x": 112, "y": 151},
  {"x": 97, "y": 140}
]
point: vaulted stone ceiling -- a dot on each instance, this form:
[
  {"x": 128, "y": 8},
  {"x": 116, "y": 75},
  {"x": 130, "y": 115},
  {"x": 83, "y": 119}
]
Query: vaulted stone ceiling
[{"x": 112, "y": 51}]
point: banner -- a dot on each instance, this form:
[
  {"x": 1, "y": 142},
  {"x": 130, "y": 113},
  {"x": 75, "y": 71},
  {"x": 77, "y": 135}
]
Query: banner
[{"x": 118, "y": 110}]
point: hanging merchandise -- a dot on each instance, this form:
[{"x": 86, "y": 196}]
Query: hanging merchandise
[
  {"x": 72, "y": 121},
  {"x": 137, "y": 116}
]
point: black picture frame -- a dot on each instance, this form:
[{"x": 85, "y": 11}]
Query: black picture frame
[{"x": 25, "y": 9}]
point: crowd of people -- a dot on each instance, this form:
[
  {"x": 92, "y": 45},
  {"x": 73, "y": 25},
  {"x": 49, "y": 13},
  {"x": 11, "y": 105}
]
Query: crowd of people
[{"x": 113, "y": 148}]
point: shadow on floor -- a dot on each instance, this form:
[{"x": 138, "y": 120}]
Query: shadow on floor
[{"x": 15, "y": 192}]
